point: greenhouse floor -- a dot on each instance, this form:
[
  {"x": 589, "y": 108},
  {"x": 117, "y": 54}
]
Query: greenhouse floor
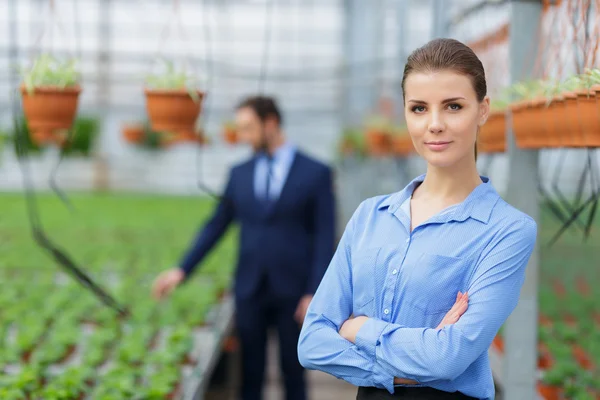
[{"x": 321, "y": 386}]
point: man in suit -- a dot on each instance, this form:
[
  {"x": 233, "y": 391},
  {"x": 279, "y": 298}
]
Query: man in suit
[{"x": 284, "y": 203}]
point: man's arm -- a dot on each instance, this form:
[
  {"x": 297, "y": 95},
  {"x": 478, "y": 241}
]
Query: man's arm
[
  {"x": 324, "y": 230},
  {"x": 212, "y": 230}
]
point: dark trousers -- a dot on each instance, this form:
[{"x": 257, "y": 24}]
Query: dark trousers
[
  {"x": 254, "y": 317},
  {"x": 408, "y": 393}
]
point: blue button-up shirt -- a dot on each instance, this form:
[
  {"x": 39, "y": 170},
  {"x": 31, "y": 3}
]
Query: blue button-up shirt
[
  {"x": 282, "y": 162},
  {"x": 405, "y": 282}
]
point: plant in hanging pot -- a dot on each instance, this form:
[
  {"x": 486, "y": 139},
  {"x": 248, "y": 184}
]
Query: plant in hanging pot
[
  {"x": 230, "y": 132},
  {"x": 402, "y": 144},
  {"x": 352, "y": 142},
  {"x": 378, "y": 135},
  {"x": 587, "y": 91},
  {"x": 133, "y": 132},
  {"x": 492, "y": 138},
  {"x": 528, "y": 110},
  {"x": 50, "y": 94},
  {"x": 173, "y": 101}
]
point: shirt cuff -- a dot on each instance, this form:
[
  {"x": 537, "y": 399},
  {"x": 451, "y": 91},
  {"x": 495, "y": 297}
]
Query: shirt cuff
[
  {"x": 367, "y": 337},
  {"x": 382, "y": 379}
]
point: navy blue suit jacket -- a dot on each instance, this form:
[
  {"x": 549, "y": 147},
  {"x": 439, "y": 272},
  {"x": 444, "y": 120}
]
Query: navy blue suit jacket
[{"x": 291, "y": 242}]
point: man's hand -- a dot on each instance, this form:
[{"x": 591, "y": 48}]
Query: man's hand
[
  {"x": 166, "y": 282},
  {"x": 351, "y": 327},
  {"x": 457, "y": 310},
  {"x": 302, "y": 307}
]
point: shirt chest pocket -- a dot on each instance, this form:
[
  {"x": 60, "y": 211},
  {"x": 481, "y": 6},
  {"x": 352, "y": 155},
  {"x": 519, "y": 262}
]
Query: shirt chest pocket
[
  {"x": 364, "y": 264},
  {"x": 435, "y": 281}
]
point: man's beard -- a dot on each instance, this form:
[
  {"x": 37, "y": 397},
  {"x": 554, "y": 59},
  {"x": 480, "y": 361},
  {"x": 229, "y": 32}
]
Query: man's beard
[{"x": 262, "y": 146}]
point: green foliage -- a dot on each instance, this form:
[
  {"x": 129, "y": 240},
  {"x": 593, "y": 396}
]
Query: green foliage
[
  {"x": 47, "y": 70},
  {"x": 124, "y": 241},
  {"x": 173, "y": 79},
  {"x": 85, "y": 132}
]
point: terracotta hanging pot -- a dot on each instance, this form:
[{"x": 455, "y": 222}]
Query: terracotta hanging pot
[
  {"x": 402, "y": 145},
  {"x": 520, "y": 123},
  {"x": 588, "y": 108},
  {"x": 133, "y": 133},
  {"x": 50, "y": 110},
  {"x": 558, "y": 110},
  {"x": 574, "y": 129},
  {"x": 492, "y": 138},
  {"x": 230, "y": 135},
  {"x": 535, "y": 124},
  {"x": 172, "y": 110},
  {"x": 551, "y": 132},
  {"x": 378, "y": 142}
]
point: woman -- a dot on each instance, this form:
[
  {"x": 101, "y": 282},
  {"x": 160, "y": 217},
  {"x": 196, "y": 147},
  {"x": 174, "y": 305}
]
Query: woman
[{"x": 424, "y": 278}]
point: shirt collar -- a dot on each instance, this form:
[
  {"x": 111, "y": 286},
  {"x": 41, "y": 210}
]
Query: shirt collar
[
  {"x": 477, "y": 205},
  {"x": 285, "y": 152}
]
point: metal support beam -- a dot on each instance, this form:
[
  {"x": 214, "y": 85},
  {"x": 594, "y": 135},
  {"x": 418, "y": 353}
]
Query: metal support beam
[
  {"x": 361, "y": 42},
  {"x": 439, "y": 26},
  {"x": 520, "y": 331}
]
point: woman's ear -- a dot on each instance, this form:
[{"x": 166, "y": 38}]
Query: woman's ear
[{"x": 484, "y": 110}]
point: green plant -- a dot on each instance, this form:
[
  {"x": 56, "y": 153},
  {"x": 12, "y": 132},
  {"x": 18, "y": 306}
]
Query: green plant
[
  {"x": 379, "y": 123},
  {"x": 47, "y": 70},
  {"x": 172, "y": 79},
  {"x": 85, "y": 133}
]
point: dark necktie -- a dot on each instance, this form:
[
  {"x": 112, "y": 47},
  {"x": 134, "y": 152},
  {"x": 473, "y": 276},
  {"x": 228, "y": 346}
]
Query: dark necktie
[{"x": 268, "y": 177}]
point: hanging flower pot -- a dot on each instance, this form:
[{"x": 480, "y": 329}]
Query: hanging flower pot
[
  {"x": 573, "y": 133},
  {"x": 588, "y": 108},
  {"x": 230, "y": 133},
  {"x": 378, "y": 136},
  {"x": 558, "y": 110},
  {"x": 133, "y": 133},
  {"x": 173, "y": 110},
  {"x": 492, "y": 138},
  {"x": 402, "y": 144},
  {"x": 173, "y": 103},
  {"x": 352, "y": 142},
  {"x": 520, "y": 123},
  {"x": 50, "y": 95}
]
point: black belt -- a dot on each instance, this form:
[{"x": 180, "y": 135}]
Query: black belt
[{"x": 409, "y": 393}]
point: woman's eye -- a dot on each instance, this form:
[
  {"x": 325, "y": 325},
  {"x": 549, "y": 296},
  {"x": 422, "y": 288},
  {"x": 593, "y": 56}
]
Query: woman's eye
[
  {"x": 454, "y": 106},
  {"x": 418, "y": 109}
]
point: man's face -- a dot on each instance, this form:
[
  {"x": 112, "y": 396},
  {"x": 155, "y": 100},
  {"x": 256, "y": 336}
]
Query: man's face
[{"x": 250, "y": 128}]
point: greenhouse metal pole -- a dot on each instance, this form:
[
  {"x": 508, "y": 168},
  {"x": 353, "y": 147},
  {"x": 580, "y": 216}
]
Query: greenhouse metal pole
[
  {"x": 360, "y": 40},
  {"x": 520, "y": 331},
  {"x": 361, "y": 33},
  {"x": 439, "y": 28}
]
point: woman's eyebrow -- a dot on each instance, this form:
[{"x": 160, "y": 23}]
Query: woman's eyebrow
[{"x": 443, "y": 102}]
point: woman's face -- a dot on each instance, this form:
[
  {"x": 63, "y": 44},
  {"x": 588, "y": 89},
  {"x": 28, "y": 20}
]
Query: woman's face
[{"x": 443, "y": 116}]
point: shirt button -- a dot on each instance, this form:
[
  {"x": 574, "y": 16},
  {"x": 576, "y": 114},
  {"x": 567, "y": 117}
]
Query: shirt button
[
  {"x": 386, "y": 311},
  {"x": 395, "y": 271},
  {"x": 407, "y": 240}
]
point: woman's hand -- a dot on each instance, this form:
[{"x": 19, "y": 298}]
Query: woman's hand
[
  {"x": 457, "y": 310},
  {"x": 351, "y": 327},
  {"x": 451, "y": 317}
]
